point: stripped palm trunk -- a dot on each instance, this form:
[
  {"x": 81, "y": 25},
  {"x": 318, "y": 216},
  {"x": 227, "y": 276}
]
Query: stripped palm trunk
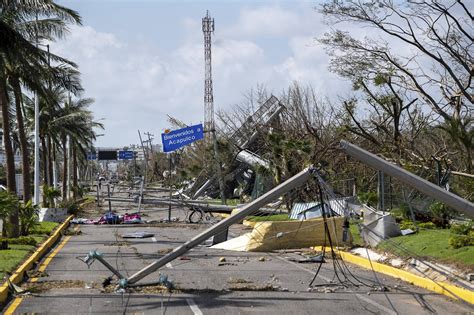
[
  {"x": 44, "y": 159},
  {"x": 11, "y": 182},
  {"x": 25, "y": 158},
  {"x": 50, "y": 160},
  {"x": 74, "y": 171},
  {"x": 65, "y": 161}
]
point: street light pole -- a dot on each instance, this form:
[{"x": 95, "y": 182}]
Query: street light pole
[
  {"x": 37, "y": 165},
  {"x": 36, "y": 177}
]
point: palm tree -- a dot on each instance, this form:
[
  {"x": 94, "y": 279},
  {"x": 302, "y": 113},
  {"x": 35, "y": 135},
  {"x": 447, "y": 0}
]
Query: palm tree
[
  {"x": 23, "y": 23},
  {"x": 74, "y": 121}
]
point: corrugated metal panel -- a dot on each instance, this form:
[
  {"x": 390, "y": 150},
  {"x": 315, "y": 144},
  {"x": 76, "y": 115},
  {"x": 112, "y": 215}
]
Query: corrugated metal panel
[
  {"x": 338, "y": 206},
  {"x": 300, "y": 207}
]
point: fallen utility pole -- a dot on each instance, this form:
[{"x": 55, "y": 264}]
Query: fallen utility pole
[
  {"x": 203, "y": 205},
  {"x": 296, "y": 181},
  {"x": 422, "y": 185}
]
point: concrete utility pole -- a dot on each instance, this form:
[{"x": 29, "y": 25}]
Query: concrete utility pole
[
  {"x": 422, "y": 185},
  {"x": 294, "y": 182},
  {"x": 209, "y": 123},
  {"x": 145, "y": 155},
  {"x": 36, "y": 175}
]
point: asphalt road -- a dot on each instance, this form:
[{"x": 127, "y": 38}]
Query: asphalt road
[{"x": 245, "y": 283}]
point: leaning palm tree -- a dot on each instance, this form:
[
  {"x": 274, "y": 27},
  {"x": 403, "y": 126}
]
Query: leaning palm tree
[{"x": 23, "y": 23}]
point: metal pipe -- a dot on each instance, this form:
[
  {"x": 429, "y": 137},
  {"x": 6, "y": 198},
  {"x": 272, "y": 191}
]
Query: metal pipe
[
  {"x": 169, "y": 184},
  {"x": 252, "y": 159},
  {"x": 108, "y": 266},
  {"x": 108, "y": 194},
  {"x": 203, "y": 188},
  {"x": 281, "y": 189},
  {"x": 424, "y": 186},
  {"x": 205, "y": 206}
]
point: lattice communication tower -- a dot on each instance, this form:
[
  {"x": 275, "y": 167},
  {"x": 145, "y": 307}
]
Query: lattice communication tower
[{"x": 208, "y": 29}]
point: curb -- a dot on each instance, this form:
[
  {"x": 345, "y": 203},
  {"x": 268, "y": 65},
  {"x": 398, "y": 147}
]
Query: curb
[
  {"x": 19, "y": 274},
  {"x": 444, "y": 288}
]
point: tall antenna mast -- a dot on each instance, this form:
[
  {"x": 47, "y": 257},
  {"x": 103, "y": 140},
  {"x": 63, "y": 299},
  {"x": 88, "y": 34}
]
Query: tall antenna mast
[
  {"x": 209, "y": 124},
  {"x": 208, "y": 29}
]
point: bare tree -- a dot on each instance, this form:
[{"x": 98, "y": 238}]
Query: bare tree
[{"x": 424, "y": 47}]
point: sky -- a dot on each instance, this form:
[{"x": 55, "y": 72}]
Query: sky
[{"x": 142, "y": 60}]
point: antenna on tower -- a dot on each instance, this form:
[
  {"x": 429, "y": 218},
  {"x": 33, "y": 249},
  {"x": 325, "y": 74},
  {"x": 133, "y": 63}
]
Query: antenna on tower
[
  {"x": 209, "y": 124},
  {"x": 208, "y": 29}
]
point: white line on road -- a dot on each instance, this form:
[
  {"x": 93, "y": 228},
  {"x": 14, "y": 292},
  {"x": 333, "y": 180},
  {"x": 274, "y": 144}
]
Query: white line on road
[
  {"x": 194, "y": 307},
  {"x": 154, "y": 239},
  {"x": 169, "y": 265}
]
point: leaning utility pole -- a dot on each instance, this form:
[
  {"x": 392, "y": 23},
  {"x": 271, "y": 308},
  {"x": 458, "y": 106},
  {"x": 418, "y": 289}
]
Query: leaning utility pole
[{"x": 209, "y": 123}]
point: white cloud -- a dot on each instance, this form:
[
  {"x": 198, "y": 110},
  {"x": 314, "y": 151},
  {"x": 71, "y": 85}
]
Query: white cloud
[
  {"x": 86, "y": 41},
  {"x": 135, "y": 86},
  {"x": 266, "y": 21}
]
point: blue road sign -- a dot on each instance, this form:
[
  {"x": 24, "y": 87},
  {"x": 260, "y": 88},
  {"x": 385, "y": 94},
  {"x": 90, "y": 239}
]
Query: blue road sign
[
  {"x": 179, "y": 138},
  {"x": 126, "y": 155},
  {"x": 91, "y": 156}
]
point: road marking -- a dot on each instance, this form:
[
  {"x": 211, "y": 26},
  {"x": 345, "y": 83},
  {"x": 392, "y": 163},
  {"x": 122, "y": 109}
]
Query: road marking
[
  {"x": 154, "y": 239},
  {"x": 169, "y": 265},
  {"x": 17, "y": 301},
  {"x": 48, "y": 259},
  {"x": 11, "y": 309},
  {"x": 194, "y": 307},
  {"x": 381, "y": 307}
]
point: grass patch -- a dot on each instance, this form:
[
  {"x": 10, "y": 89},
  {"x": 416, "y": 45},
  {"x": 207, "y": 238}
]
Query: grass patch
[
  {"x": 273, "y": 217},
  {"x": 430, "y": 244},
  {"x": 354, "y": 229},
  {"x": 229, "y": 202},
  {"x": 11, "y": 258},
  {"x": 44, "y": 228}
]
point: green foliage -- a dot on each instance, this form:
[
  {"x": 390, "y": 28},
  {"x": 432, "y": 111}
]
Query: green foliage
[
  {"x": 71, "y": 205},
  {"x": 12, "y": 257},
  {"x": 402, "y": 212},
  {"x": 441, "y": 213},
  {"x": 8, "y": 204},
  {"x": 49, "y": 194},
  {"x": 381, "y": 79},
  {"x": 431, "y": 244},
  {"x": 407, "y": 224},
  {"x": 28, "y": 215},
  {"x": 355, "y": 232},
  {"x": 427, "y": 225},
  {"x": 78, "y": 190},
  {"x": 22, "y": 240},
  {"x": 462, "y": 235},
  {"x": 20, "y": 248},
  {"x": 43, "y": 228},
  {"x": 3, "y": 174},
  {"x": 369, "y": 198}
]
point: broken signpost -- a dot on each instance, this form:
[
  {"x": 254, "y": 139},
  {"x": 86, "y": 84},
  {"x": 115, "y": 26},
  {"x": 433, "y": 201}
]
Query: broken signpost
[{"x": 173, "y": 140}]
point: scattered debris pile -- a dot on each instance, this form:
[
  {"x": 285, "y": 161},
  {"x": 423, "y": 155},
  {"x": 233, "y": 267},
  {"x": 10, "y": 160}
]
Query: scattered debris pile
[{"x": 111, "y": 217}]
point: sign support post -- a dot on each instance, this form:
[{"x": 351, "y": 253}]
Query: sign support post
[
  {"x": 169, "y": 184},
  {"x": 173, "y": 140}
]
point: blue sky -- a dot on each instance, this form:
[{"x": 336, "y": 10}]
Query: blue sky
[{"x": 142, "y": 60}]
